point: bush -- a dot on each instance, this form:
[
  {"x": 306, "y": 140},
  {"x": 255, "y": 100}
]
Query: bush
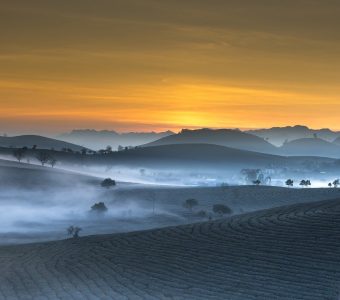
[
  {"x": 221, "y": 209},
  {"x": 190, "y": 203},
  {"x": 108, "y": 182},
  {"x": 99, "y": 207},
  {"x": 74, "y": 231},
  {"x": 202, "y": 214}
]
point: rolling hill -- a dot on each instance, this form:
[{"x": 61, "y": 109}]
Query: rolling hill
[
  {"x": 250, "y": 256},
  {"x": 311, "y": 147},
  {"x": 222, "y": 137},
  {"x": 94, "y": 139},
  {"x": 39, "y": 141},
  {"x": 280, "y": 135},
  {"x": 23, "y": 175}
]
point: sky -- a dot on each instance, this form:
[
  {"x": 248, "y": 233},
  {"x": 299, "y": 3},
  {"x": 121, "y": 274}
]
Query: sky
[{"x": 140, "y": 65}]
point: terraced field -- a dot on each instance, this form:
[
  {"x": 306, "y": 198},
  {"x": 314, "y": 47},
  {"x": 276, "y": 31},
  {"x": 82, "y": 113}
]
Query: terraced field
[{"x": 290, "y": 252}]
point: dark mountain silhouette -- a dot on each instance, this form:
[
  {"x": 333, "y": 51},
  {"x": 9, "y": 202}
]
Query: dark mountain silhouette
[
  {"x": 100, "y": 139},
  {"x": 311, "y": 147},
  {"x": 36, "y": 140},
  {"x": 280, "y": 135},
  {"x": 223, "y": 137}
]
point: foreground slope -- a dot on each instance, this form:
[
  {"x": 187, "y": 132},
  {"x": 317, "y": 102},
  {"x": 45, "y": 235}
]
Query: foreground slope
[{"x": 290, "y": 252}]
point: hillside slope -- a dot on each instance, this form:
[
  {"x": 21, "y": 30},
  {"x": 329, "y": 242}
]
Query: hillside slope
[
  {"x": 311, "y": 147},
  {"x": 222, "y": 137},
  {"x": 279, "y": 135},
  {"x": 290, "y": 252},
  {"x": 39, "y": 141},
  {"x": 101, "y": 139}
]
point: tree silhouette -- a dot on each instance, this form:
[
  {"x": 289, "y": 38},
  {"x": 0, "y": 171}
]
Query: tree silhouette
[
  {"x": 99, "y": 207},
  {"x": 43, "y": 157},
  {"x": 74, "y": 231},
  {"x": 108, "y": 182},
  {"x": 290, "y": 182},
  {"x": 305, "y": 183},
  {"x": 19, "y": 154},
  {"x": 190, "y": 203},
  {"x": 336, "y": 183},
  {"x": 221, "y": 209}
]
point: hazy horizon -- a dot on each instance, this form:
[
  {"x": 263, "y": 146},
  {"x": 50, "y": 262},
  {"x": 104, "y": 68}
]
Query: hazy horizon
[{"x": 157, "y": 65}]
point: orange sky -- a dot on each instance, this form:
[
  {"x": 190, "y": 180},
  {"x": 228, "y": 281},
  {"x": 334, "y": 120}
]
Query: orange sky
[{"x": 155, "y": 65}]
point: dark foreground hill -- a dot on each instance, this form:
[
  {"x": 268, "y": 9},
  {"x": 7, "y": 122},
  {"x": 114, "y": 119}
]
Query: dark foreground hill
[
  {"x": 222, "y": 137},
  {"x": 290, "y": 252},
  {"x": 38, "y": 141}
]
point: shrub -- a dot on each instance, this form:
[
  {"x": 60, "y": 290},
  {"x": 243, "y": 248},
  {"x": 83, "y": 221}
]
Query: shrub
[
  {"x": 202, "y": 214},
  {"x": 221, "y": 209},
  {"x": 190, "y": 203},
  {"x": 108, "y": 182},
  {"x": 99, "y": 207},
  {"x": 73, "y": 231}
]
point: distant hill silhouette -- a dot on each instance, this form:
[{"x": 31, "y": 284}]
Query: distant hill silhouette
[
  {"x": 337, "y": 141},
  {"x": 311, "y": 147},
  {"x": 40, "y": 142},
  {"x": 222, "y": 137},
  {"x": 100, "y": 139},
  {"x": 279, "y": 135},
  {"x": 200, "y": 156}
]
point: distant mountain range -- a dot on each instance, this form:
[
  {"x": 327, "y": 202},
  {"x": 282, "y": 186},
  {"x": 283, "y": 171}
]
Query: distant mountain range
[
  {"x": 279, "y": 135},
  {"x": 314, "y": 145},
  {"x": 38, "y": 141},
  {"x": 96, "y": 140},
  {"x": 222, "y": 137}
]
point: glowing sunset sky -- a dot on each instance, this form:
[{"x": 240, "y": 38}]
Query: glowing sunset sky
[{"x": 168, "y": 64}]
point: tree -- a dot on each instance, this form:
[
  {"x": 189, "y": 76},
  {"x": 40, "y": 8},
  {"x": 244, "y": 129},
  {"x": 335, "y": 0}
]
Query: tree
[
  {"x": 202, "y": 214},
  {"x": 257, "y": 182},
  {"x": 120, "y": 148},
  {"x": 108, "y": 182},
  {"x": 190, "y": 203},
  {"x": 108, "y": 149},
  {"x": 251, "y": 175},
  {"x": 43, "y": 157},
  {"x": 83, "y": 151},
  {"x": 221, "y": 209},
  {"x": 305, "y": 183},
  {"x": 99, "y": 207},
  {"x": 290, "y": 182},
  {"x": 74, "y": 231},
  {"x": 19, "y": 154},
  {"x": 52, "y": 162},
  {"x": 336, "y": 183},
  {"x": 330, "y": 184}
]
